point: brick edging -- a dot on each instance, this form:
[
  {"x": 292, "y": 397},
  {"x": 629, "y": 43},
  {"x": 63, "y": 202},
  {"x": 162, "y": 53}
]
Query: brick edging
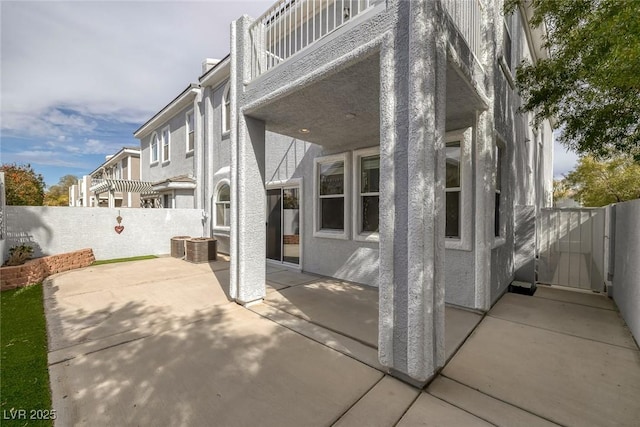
[{"x": 36, "y": 270}]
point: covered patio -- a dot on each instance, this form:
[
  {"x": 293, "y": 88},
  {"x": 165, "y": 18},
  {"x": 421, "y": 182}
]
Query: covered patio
[{"x": 160, "y": 342}]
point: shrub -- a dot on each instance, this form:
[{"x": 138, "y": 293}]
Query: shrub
[{"x": 18, "y": 255}]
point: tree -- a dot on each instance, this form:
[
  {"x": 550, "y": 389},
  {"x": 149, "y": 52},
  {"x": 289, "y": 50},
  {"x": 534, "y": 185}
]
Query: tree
[
  {"x": 599, "y": 183},
  {"x": 590, "y": 84},
  {"x": 23, "y": 186},
  {"x": 58, "y": 195}
]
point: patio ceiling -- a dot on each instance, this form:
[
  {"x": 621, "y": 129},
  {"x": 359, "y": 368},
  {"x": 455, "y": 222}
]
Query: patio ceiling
[{"x": 344, "y": 109}]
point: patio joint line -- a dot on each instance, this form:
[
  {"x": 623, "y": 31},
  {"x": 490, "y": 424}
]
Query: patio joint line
[
  {"x": 351, "y": 356},
  {"x": 413, "y": 402},
  {"x": 576, "y": 303},
  {"x": 565, "y": 333},
  {"x": 358, "y": 400},
  {"x": 462, "y": 409},
  {"x": 99, "y": 349},
  {"x": 500, "y": 400},
  {"x": 325, "y": 327}
]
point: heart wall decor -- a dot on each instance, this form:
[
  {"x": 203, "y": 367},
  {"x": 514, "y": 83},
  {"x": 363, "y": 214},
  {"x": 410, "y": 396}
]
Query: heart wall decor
[{"x": 119, "y": 228}]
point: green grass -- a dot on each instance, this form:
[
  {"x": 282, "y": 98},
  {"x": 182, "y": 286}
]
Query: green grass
[
  {"x": 134, "y": 258},
  {"x": 24, "y": 377}
]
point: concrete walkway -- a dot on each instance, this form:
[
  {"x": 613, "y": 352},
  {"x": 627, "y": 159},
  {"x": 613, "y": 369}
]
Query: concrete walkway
[{"x": 158, "y": 342}]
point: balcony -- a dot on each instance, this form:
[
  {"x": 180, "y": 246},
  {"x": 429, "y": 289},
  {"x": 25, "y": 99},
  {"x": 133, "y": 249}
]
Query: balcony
[{"x": 289, "y": 26}]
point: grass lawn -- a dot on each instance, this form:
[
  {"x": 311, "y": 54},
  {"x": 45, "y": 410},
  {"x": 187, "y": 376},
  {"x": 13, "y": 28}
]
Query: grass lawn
[
  {"x": 24, "y": 377},
  {"x": 135, "y": 258}
]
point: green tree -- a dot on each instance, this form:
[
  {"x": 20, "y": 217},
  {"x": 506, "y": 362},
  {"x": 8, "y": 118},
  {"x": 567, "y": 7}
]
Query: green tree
[
  {"x": 58, "y": 195},
  {"x": 590, "y": 83},
  {"x": 599, "y": 183},
  {"x": 23, "y": 186}
]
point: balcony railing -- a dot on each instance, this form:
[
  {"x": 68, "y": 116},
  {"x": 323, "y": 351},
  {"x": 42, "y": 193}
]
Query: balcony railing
[
  {"x": 291, "y": 25},
  {"x": 467, "y": 16}
]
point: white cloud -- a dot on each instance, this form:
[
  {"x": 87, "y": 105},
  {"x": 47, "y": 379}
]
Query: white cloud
[{"x": 116, "y": 59}]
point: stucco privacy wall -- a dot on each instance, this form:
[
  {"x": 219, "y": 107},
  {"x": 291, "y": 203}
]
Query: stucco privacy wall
[
  {"x": 56, "y": 230},
  {"x": 626, "y": 273}
]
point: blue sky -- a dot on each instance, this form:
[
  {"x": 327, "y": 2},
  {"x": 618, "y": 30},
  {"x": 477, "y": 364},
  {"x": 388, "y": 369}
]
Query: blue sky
[{"x": 77, "y": 78}]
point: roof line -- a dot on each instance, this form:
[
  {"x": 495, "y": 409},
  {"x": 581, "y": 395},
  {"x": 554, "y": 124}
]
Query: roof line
[{"x": 191, "y": 86}]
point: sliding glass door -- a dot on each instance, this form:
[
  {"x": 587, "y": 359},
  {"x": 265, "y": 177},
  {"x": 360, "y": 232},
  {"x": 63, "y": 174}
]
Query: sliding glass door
[{"x": 283, "y": 225}]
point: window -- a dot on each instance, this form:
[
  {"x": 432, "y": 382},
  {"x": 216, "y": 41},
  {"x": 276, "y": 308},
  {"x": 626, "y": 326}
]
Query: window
[
  {"x": 499, "y": 199},
  {"x": 190, "y": 131},
  {"x": 166, "y": 201},
  {"x": 226, "y": 110},
  {"x": 506, "y": 40},
  {"x": 458, "y": 189},
  {"x": 453, "y": 189},
  {"x": 154, "y": 148},
  {"x": 330, "y": 184},
  {"x": 223, "y": 206},
  {"x": 164, "y": 137},
  {"x": 367, "y": 194}
]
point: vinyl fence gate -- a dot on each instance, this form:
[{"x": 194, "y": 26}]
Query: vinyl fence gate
[{"x": 571, "y": 248}]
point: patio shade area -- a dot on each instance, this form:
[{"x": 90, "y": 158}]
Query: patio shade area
[{"x": 158, "y": 342}]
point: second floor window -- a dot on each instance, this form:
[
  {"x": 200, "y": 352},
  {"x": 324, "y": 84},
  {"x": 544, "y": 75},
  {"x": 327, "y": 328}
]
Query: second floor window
[
  {"x": 165, "y": 136},
  {"x": 506, "y": 40},
  {"x": 154, "y": 148},
  {"x": 190, "y": 131},
  {"x": 226, "y": 110}
]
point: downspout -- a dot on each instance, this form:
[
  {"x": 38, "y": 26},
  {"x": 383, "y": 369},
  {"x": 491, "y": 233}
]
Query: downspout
[{"x": 197, "y": 123}]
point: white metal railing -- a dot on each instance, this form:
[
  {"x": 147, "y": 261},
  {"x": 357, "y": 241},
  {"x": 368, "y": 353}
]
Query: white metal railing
[
  {"x": 291, "y": 25},
  {"x": 467, "y": 16}
]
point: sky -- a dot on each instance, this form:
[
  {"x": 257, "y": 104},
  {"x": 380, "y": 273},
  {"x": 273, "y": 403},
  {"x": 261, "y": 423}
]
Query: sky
[{"x": 78, "y": 78}]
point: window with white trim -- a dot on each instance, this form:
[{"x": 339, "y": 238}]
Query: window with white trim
[
  {"x": 165, "y": 136},
  {"x": 226, "y": 110},
  {"x": 331, "y": 183},
  {"x": 458, "y": 189},
  {"x": 499, "y": 197},
  {"x": 154, "y": 147},
  {"x": 189, "y": 123},
  {"x": 453, "y": 189},
  {"x": 367, "y": 194},
  {"x": 223, "y": 206},
  {"x": 507, "y": 40}
]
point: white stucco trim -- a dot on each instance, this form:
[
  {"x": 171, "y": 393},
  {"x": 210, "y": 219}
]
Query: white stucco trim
[
  {"x": 356, "y": 216},
  {"x": 465, "y": 136},
  {"x": 331, "y": 234}
]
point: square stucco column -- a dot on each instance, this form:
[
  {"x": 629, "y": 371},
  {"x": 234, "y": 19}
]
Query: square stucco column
[
  {"x": 248, "y": 231},
  {"x": 412, "y": 111}
]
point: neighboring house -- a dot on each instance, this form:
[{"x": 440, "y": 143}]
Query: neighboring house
[
  {"x": 115, "y": 184},
  {"x": 385, "y": 142}
]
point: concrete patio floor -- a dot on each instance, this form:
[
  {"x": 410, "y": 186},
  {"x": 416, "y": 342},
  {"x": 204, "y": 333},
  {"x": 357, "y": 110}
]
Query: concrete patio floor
[{"x": 158, "y": 342}]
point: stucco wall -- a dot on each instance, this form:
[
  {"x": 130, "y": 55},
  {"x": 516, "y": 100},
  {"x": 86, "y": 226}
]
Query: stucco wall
[
  {"x": 55, "y": 230},
  {"x": 180, "y": 163},
  {"x": 626, "y": 275}
]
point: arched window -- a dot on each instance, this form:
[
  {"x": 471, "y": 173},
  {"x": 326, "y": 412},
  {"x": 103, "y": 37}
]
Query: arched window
[
  {"x": 226, "y": 110},
  {"x": 223, "y": 205},
  {"x": 154, "y": 148}
]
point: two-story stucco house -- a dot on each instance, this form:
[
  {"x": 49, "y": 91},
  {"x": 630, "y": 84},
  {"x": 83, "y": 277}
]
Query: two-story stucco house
[
  {"x": 381, "y": 143},
  {"x": 115, "y": 183}
]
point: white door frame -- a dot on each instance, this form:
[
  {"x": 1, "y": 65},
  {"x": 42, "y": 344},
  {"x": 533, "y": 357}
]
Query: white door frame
[{"x": 283, "y": 185}]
